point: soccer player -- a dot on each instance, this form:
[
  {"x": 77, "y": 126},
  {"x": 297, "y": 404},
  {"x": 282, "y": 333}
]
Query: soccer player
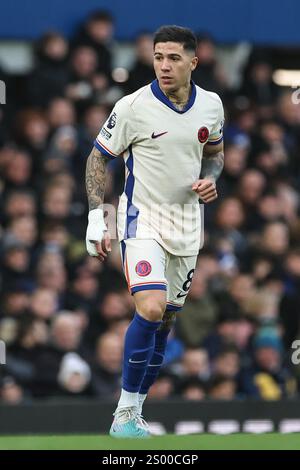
[{"x": 170, "y": 136}]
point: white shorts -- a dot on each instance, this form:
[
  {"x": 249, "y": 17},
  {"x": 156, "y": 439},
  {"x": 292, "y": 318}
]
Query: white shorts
[{"x": 148, "y": 266}]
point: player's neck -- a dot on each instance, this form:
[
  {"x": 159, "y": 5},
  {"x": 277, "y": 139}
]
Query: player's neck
[{"x": 180, "y": 97}]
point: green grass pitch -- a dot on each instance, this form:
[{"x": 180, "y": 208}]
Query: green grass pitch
[{"x": 167, "y": 442}]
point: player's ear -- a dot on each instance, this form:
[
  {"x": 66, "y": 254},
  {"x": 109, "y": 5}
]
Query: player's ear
[{"x": 194, "y": 63}]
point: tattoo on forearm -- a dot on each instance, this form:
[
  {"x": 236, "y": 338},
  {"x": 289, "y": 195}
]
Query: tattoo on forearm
[
  {"x": 95, "y": 178},
  {"x": 212, "y": 165}
]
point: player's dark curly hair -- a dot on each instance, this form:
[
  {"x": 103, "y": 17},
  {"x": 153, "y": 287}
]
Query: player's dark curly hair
[{"x": 176, "y": 34}]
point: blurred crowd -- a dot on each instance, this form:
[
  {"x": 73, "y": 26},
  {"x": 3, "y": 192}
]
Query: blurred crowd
[{"x": 63, "y": 314}]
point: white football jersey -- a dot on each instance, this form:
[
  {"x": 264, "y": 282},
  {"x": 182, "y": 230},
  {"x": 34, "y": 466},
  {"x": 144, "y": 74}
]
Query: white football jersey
[{"x": 162, "y": 148}]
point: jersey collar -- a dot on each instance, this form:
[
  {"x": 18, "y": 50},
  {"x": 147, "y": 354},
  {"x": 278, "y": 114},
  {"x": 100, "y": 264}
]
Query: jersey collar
[{"x": 157, "y": 92}]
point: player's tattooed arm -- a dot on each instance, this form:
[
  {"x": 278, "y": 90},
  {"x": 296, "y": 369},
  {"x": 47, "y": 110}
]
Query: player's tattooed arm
[
  {"x": 212, "y": 166},
  {"x": 95, "y": 178},
  {"x": 212, "y": 162}
]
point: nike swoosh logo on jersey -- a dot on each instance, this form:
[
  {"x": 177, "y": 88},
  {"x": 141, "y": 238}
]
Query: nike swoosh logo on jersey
[
  {"x": 154, "y": 136},
  {"x": 181, "y": 295},
  {"x": 136, "y": 362}
]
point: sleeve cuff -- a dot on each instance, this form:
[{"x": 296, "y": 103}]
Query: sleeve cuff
[
  {"x": 215, "y": 141},
  {"x": 104, "y": 150}
]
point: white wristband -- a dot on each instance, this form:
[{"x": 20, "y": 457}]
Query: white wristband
[
  {"x": 96, "y": 216},
  {"x": 95, "y": 230}
]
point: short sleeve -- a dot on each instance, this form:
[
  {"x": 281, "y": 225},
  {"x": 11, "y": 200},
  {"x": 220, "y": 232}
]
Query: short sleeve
[
  {"x": 118, "y": 132},
  {"x": 216, "y": 133}
]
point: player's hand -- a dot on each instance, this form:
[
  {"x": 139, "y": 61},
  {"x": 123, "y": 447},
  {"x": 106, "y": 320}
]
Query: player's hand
[
  {"x": 206, "y": 189},
  {"x": 97, "y": 237}
]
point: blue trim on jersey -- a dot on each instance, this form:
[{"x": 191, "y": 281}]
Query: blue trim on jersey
[
  {"x": 123, "y": 252},
  {"x": 148, "y": 287},
  {"x": 158, "y": 93},
  {"x": 215, "y": 142},
  {"x": 132, "y": 210},
  {"x": 102, "y": 150},
  {"x": 172, "y": 308}
]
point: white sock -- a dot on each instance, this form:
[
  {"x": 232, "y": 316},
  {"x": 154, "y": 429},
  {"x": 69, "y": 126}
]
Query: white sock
[
  {"x": 141, "y": 398},
  {"x": 128, "y": 399}
]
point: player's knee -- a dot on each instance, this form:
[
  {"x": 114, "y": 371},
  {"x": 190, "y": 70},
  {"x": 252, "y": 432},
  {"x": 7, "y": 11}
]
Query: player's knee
[
  {"x": 152, "y": 312},
  {"x": 152, "y": 308}
]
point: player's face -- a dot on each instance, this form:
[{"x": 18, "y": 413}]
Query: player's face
[{"x": 173, "y": 65}]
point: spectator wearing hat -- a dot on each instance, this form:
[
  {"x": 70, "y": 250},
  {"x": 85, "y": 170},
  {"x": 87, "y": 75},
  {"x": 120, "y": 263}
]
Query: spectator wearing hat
[
  {"x": 11, "y": 393},
  {"x": 268, "y": 377},
  {"x": 74, "y": 376}
]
